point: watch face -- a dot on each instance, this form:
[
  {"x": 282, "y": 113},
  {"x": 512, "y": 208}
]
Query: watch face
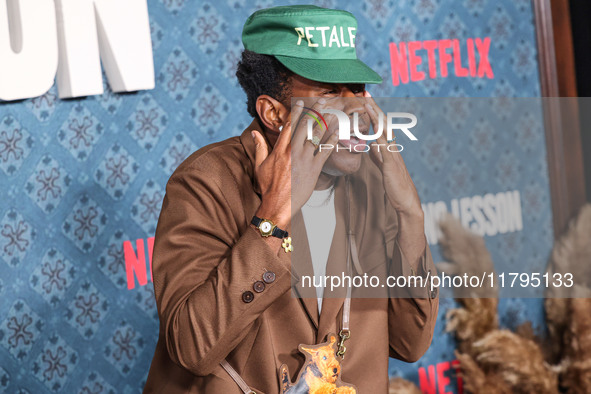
[{"x": 266, "y": 227}]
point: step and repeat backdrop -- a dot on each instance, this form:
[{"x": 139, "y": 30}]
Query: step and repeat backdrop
[{"x": 82, "y": 179}]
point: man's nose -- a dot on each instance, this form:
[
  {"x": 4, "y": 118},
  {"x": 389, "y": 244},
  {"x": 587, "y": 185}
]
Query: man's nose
[
  {"x": 355, "y": 105},
  {"x": 352, "y": 103},
  {"x": 346, "y": 92}
]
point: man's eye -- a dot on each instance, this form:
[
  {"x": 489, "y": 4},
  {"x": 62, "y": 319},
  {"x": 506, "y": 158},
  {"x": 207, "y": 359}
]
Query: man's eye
[{"x": 358, "y": 89}]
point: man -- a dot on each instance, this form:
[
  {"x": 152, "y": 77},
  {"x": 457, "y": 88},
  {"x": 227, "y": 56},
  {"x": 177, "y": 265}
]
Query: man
[{"x": 222, "y": 284}]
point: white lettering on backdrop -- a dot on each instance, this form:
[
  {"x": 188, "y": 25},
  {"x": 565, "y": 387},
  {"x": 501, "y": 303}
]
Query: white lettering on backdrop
[
  {"x": 86, "y": 33},
  {"x": 489, "y": 214}
]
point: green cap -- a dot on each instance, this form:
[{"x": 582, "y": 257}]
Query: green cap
[{"x": 316, "y": 43}]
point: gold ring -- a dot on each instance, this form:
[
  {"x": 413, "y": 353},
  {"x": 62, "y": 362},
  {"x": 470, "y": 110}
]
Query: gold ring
[{"x": 314, "y": 141}]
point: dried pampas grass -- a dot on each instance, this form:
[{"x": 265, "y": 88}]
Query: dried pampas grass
[
  {"x": 466, "y": 253},
  {"x": 568, "y": 310},
  {"x": 498, "y": 361},
  {"x": 516, "y": 362}
]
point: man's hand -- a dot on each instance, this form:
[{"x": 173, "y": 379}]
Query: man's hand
[
  {"x": 400, "y": 190},
  {"x": 275, "y": 174}
]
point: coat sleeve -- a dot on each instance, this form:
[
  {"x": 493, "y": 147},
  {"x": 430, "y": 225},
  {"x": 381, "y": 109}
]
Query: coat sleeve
[
  {"x": 412, "y": 314},
  {"x": 203, "y": 263}
]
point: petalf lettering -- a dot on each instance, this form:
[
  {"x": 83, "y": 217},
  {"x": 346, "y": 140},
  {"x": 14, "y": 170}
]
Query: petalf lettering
[{"x": 336, "y": 37}]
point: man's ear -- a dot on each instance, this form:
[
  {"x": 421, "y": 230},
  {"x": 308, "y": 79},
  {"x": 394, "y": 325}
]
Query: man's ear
[{"x": 273, "y": 114}]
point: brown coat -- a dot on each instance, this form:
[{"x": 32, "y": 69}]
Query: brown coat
[{"x": 206, "y": 256}]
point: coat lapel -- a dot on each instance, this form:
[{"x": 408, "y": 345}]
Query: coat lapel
[
  {"x": 332, "y": 302},
  {"x": 301, "y": 264}
]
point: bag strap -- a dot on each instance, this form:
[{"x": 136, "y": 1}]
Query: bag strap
[
  {"x": 345, "y": 332},
  {"x": 236, "y": 377}
]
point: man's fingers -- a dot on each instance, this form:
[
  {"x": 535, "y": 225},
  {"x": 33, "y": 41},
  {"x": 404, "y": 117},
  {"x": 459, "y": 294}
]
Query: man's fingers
[
  {"x": 284, "y": 138},
  {"x": 375, "y": 155},
  {"x": 287, "y": 132},
  {"x": 384, "y": 155},
  {"x": 294, "y": 117},
  {"x": 262, "y": 151},
  {"x": 369, "y": 100},
  {"x": 320, "y": 135},
  {"x": 311, "y": 114},
  {"x": 325, "y": 151},
  {"x": 375, "y": 112}
]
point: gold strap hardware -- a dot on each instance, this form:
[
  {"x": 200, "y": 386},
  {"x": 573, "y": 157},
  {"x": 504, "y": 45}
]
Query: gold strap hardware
[{"x": 344, "y": 334}]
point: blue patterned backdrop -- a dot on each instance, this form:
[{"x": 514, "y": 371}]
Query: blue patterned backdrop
[{"x": 79, "y": 177}]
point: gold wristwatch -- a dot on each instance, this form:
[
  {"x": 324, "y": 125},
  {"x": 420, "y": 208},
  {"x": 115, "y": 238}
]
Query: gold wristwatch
[{"x": 269, "y": 229}]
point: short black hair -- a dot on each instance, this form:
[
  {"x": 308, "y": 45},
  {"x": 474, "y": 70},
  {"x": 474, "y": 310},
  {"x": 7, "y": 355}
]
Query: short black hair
[{"x": 262, "y": 74}]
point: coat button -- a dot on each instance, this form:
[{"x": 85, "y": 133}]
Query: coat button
[
  {"x": 269, "y": 277},
  {"x": 258, "y": 286},
  {"x": 247, "y": 296},
  {"x": 434, "y": 293}
]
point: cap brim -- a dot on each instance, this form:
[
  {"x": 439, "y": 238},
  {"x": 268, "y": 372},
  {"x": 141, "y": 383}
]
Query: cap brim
[{"x": 331, "y": 70}]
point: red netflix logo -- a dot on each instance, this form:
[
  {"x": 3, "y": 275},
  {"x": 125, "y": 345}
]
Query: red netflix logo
[
  {"x": 135, "y": 264},
  {"x": 405, "y": 61},
  {"x": 432, "y": 382}
]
